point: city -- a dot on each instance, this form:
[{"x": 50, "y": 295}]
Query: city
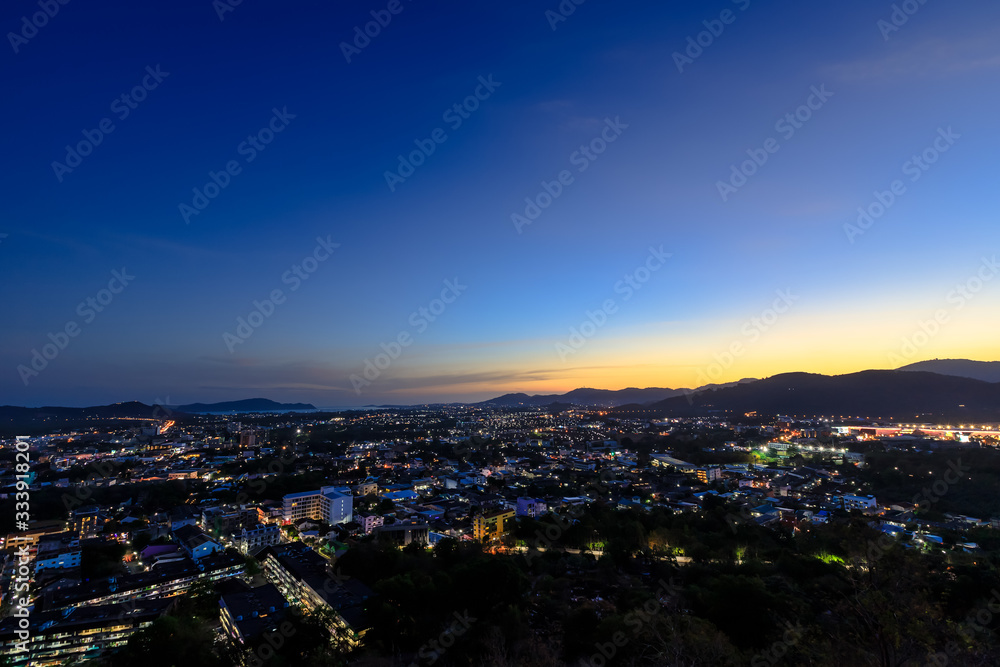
[
  {"x": 542, "y": 333},
  {"x": 253, "y": 527}
]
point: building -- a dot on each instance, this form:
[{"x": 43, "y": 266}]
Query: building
[
  {"x": 666, "y": 461},
  {"x": 403, "y": 533},
  {"x": 87, "y": 521},
  {"x": 250, "y": 540},
  {"x": 29, "y": 538},
  {"x": 58, "y": 550},
  {"x": 247, "y": 614},
  {"x": 366, "y": 487},
  {"x": 305, "y": 578},
  {"x": 166, "y": 580},
  {"x": 196, "y": 542},
  {"x": 75, "y": 634},
  {"x": 531, "y": 507},
  {"x": 707, "y": 475},
  {"x": 248, "y": 439},
  {"x": 369, "y": 522},
  {"x": 492, "y": 526},
  {"x": 330, "y": 505},
  {"x": 222, "y": 521},
  {"x": 863, "y": 503}
]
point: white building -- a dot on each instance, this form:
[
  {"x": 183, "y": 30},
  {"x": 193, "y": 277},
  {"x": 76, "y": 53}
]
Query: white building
[
  {"x": 369, "y": 522},
  {"x": 329, "y": 504},
  {"x": 196, "y": 542},
  {"x": 249, "y": 540},
  {"x": 863, "y": 503}
]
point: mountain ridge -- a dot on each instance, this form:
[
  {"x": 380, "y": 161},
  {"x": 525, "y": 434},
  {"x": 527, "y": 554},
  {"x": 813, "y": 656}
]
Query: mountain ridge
[
  {"x": 875, "y": 394},
  {"x": 987, "y": 371},
  {"x": 589, "y": 397}
]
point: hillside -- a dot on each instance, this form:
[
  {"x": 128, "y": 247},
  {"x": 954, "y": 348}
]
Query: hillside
[
  {"x": 897, "y": 395},
  {"x": 987, "y": 371}
]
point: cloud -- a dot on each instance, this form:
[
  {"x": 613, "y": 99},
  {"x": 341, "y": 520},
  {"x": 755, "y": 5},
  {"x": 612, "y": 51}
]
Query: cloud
[{"x": 935, "y": 57}]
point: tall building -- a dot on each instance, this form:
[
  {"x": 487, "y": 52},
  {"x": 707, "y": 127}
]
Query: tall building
[
  {"x": 74, "y": 635},
  {"x": 491, "y": 526},
  {"x": 330, "y": 505},
  {"x": 250, "y": 540},
  {"x": 247, "y": 614},
  {"x": 305, "y": 578},
  {"x": 706, "y": 475}
]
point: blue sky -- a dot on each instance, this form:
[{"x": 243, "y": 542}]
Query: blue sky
[{"x": 859, "y": 298}]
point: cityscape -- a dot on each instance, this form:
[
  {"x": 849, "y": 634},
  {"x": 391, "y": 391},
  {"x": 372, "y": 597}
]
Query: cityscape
[
  {"x": 493, "y": 533},
  {"x": 534, "y": 334}
]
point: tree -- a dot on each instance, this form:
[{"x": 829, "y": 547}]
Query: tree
[{"x": 168, "y": 642}]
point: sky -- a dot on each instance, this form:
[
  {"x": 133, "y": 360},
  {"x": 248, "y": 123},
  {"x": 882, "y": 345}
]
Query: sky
[{"x": 404, "y": 202}]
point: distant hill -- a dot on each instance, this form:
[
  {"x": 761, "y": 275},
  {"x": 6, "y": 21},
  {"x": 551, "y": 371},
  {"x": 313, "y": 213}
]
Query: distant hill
[
  {"x": 129, "y": 409},
  {"x": 608, "y": 398},
  {"x": 987, "y": 371},
  {"x": 583, "y": 397},
  {"x": 898, "y": 395},
  {"x": 16, "y": 420},
  {"x": 247, "y": 405}
]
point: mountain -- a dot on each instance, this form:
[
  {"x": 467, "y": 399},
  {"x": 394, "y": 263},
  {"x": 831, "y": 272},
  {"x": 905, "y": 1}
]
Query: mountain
[
  {"x": 987, "y": 371},
  {"x": 898, "y": 395},
  {"x": 593, "y": 397},
  {"x": 596, "y": 397},
  {"x": 247, "y": 405},
  {"x": 16, "y": 420},
  {"x": 128, "y": 409}
]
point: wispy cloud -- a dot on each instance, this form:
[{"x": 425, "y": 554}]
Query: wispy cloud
[{"x": 934, "y": 57}]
